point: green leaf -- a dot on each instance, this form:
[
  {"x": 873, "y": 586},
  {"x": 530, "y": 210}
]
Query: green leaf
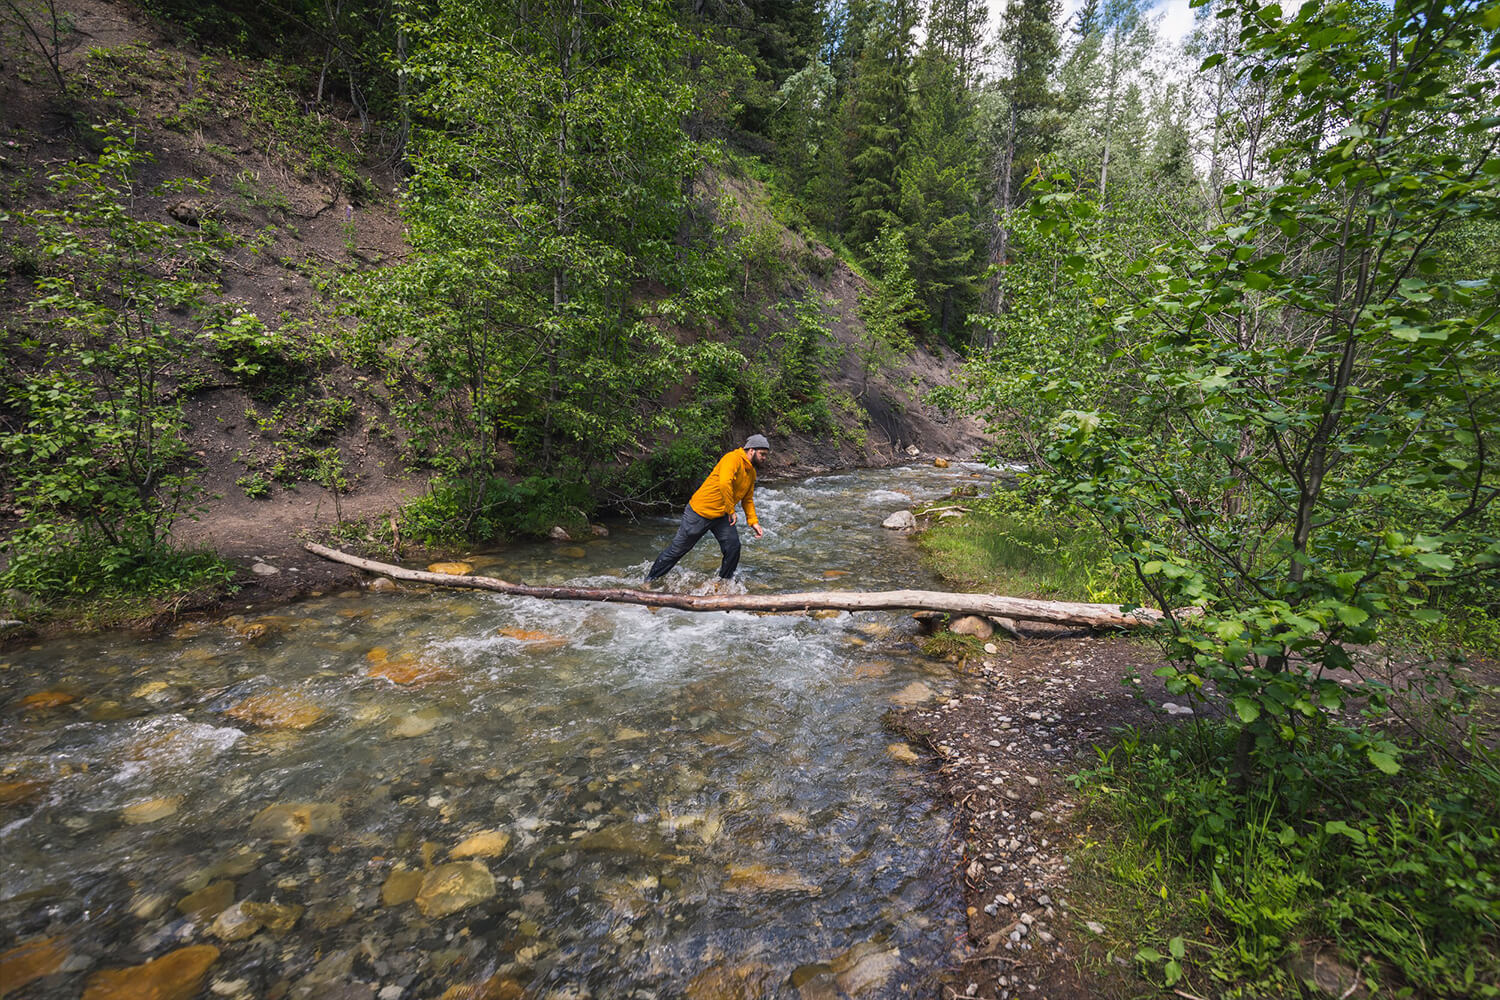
[
  {"x": 1177, "y": 947},
  {"x": 1350, "y": 615},
  {"x": 1338, "y": 826},
  {"x": 1247, "y": 710},
  {"x": 1434, "y": 560},
  {"x": 1382, "y": 760}
]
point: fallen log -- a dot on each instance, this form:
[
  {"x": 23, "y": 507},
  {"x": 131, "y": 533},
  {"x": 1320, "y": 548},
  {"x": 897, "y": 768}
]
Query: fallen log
[{"x": 1098, "y": 616}]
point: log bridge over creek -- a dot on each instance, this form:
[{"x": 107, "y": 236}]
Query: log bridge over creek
[{"x": 1017, "y": 609}]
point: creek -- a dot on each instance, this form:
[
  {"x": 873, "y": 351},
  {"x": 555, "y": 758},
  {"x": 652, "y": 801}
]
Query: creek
[{"x": 392, "y": 794}]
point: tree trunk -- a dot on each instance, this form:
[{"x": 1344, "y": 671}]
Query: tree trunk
[{"x": 1100, "y": 616}]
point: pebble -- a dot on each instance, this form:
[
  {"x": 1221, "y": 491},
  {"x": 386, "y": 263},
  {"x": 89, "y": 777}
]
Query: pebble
[{"x": 1094, "y": 926}]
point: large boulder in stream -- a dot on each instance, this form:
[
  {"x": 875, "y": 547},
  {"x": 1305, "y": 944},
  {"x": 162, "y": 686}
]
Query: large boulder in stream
[{"x": 902, "y": 520}]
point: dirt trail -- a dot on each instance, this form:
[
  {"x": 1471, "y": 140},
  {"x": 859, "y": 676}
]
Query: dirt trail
[{"x": 1025, "y": 718}]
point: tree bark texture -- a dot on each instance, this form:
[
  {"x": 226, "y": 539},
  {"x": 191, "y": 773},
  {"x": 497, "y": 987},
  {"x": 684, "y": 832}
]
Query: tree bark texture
[{"x": 1098, "y": 616}]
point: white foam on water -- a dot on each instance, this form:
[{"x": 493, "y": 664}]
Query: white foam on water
[{"x": 165, "y": 743}]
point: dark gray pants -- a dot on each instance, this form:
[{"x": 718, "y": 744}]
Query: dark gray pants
[{"x": 694, "y": 526}]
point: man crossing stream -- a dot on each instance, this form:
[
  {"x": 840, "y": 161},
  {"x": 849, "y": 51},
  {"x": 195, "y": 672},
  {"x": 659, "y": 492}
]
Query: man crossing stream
[{"x": 712, "y": 508}]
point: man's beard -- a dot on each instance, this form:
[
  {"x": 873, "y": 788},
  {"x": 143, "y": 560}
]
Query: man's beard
[{"x": 755, "y": 460}]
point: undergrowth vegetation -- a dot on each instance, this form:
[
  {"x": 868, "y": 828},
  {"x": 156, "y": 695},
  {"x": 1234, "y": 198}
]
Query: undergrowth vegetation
[{"x": 1240, "y": 888}]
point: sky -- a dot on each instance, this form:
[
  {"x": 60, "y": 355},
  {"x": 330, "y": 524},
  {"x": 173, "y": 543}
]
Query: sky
[{"x": 1177, "y": 16}]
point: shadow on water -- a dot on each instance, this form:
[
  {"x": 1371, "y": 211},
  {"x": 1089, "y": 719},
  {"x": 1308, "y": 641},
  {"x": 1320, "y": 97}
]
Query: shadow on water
[{"x": 398, "y": 794}]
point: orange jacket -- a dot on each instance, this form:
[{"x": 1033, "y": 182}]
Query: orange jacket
[{"x": 732, "y": 481}]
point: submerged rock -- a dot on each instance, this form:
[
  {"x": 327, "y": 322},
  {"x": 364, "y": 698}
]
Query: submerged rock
[
  {"x": 208, "y": 901},
  {"x": 733, "y": 982},
  {"x": 915, "y": 693},
  {"x": 411, "y": 672},
  {"x": 451, "y": 568},
  {"x": 489, "y": 844},
  {"x": 572, "y": 551},
  {"x": 903, "y": 753},
  {"x": 31, "y": 960},
  {"x": 151, "y": 810},
  {"x": 866, "y": 968},
  {"x": 14, "y": 793},
  {"x": 177, "y": 975},
  {"x": 277, "y": 709},
  {"x": 290, "y": 821},
  {"x": 43, "y": 700},
  {"x": 759, "y": 878},
  {"x": 454, "y": 886},
  {"x": 416, "y": 724},
  {"x": 401, "y": 886},
  {"x": 534, "y": 638},
  {"x": 497, "y": 987}
]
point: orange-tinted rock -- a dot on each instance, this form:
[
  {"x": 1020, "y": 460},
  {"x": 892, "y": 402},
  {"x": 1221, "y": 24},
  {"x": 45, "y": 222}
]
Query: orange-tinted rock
[
  {"x": 489, "y": 844},
  {"x": 277, "y": 709},
  {"x": 31, "y": 960},
  {"x": 13, "y": 793},
  {"x": 451, "y": 568},
  {"x": 378, "y": 655},
  {"x": 412, "y": 671},
  {"x": 497, "y": 987},
  {"x": 740, "y": 982},
  {"x": 48, "y": 699},
  {"x": 177, "y": 975},
  {"x": 534, "y": 638}
]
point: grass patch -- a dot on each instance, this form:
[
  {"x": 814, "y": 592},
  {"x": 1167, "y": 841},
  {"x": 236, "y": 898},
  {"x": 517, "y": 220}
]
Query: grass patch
[
  {"x": 1026, "y": 555},
  {"x": 1223, "y": 893}
]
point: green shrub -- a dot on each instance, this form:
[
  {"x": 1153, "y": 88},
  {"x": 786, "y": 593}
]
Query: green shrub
[
  {"x": 1402, "y": 871},
  {"x": 456, "y": 511}
]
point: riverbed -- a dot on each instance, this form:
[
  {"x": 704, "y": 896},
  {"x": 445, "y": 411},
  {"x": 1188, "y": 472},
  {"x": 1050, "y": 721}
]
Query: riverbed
[{"x": 437, "y": 793}]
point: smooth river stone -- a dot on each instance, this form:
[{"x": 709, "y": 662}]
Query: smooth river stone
[
  {"x": 401, "y": 886},
  {"x": 151, "y": 810},
  {"x": 866, "y": 967},
  {"x": 277, "y": 709},
  {"x": 411, "y": 672},
  {"x": 533, "y": 638},
  {"x": 245, "y": 918},
  {"x": 208, "y": 901},
  {"x": 489, "y": 844},
  {"x": 452, "y": 887},
  {"x": 30, "y": 960},
  {"x": 902, "y": 753},
  {"x": 759, "y": 878},
  {"x": 497, "y": 987},
  {"x": 414, "y": 725},
  {"x": 734, "y": 982},
  {"x": 572, "y": 551},
  {"x": 14, "y": 793},
  {"x": 451, "y": 568},
  {"x": 42, "y": 700},
  {"x": 177, "y": 975},
  {"x": 915, "y": 693},
  {"x": 290, "y": 821}
]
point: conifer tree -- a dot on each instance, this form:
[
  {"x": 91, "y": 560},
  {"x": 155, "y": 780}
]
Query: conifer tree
[{"x": 878, "y": 109}]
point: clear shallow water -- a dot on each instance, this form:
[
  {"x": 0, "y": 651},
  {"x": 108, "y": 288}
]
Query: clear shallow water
[{"x": 675, "y": 804}]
